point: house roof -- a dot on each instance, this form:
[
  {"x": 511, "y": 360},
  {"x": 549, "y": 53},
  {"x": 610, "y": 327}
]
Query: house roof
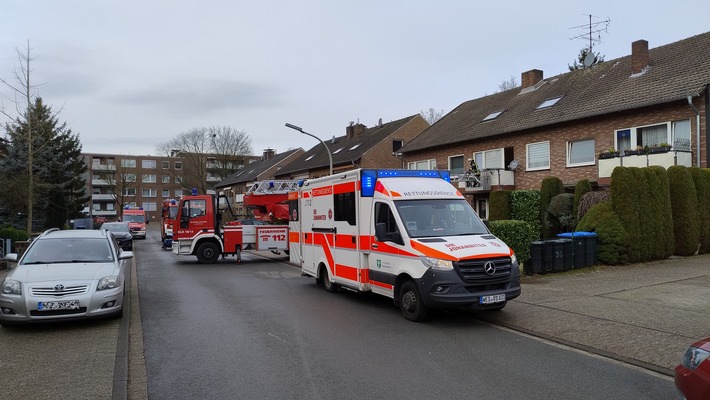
[
  {"x": 674, "y": 71},
  {"x": 344, "y": 150},
  {"x": 252, "y": 171}
]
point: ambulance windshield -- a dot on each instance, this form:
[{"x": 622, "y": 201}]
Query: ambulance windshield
[{"x": 439, "y": 217}]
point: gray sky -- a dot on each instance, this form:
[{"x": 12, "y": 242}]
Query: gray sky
[{"x": 129, "y": 74}]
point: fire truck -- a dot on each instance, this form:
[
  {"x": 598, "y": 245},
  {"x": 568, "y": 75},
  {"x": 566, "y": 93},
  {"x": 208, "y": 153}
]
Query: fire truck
[
  {"x": 268, "y": 200},
  {"x": 409, "y": 235},
  {"x": 167, "y": 215},
  {"x": 136, "y": 218}
]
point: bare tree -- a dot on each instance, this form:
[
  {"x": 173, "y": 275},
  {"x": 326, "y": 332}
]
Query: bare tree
[
  {"x": 122, "y": 180},
  {"x": 23, "y": 98},
  {"x": 431, "y": 115},
  {"x": 511, "y": 83},
  {"x": 209, "y": 152}
]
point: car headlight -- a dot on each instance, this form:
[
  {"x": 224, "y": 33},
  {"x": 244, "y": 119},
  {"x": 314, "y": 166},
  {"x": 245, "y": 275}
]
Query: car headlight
[
  {"x": 513, "y": 259},
  {"x": 693, "y": 356},
  {"x": 437, "y": 264},
  {"x": 10, "y": 286},
  {"x": 108, "y": 282}
]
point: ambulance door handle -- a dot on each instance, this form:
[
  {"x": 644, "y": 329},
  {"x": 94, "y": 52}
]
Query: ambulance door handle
[{"x": 374, "y": 246}]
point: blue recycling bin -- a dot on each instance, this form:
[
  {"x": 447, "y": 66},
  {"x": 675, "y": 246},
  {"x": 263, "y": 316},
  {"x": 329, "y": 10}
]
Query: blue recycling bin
[{"x": 585, "y": 247}]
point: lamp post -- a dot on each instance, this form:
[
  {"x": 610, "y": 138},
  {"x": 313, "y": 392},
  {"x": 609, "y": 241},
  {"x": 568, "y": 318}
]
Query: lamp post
[{"x": 330, "y": 156}]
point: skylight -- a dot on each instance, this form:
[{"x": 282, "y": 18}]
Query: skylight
[
  {"x": 492, "y": 115},
  {"x": 549, "y": 102},
  {"x": 338, "y": 151},
  {"x": 354, "y": 147},
  {"x": 309, "y": 157}
]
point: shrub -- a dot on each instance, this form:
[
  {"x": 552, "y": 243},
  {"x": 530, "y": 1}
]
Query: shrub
[
  {"x": 560, "y": 212},
  {"x": 499, "y": 205},
  {"x": 611, "y": 235},
  {"x": 525, "y": 206},
  {"x": 666, "y": 212},
  {"x": 516, "y": 234},
  {"x": 623, "y": 201},
  {"x": 580, "y": 189},
  {"x": 702, "y": 190},
  {"x": 654, "y": 224},
  {"x": 13, "y": 234},
  {"x": 589, "y": 200},
  {"x": 551, "y": 186},
  {"x": 642, "y": 203},
  {"x": 684, "y": 203}
]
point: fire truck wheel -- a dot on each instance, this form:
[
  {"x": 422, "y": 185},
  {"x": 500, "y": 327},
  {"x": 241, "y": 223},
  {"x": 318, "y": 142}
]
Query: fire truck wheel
[
  {"x": 327, "y": 284},
  {"x": 410, "y": 302},
  {"x": 207, "y": 253}
]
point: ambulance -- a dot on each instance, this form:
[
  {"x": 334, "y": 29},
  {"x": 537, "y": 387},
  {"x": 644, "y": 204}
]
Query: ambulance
[
  {"x": 409, "y": 235},
  {"x": 136, "y": 218}
]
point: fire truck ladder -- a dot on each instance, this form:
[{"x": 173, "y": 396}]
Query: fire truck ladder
[{"x": 272, "y": 187}]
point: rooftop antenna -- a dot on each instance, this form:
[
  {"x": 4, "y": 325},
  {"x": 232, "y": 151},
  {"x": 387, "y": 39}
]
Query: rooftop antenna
[{"x": 592, "y": 28}]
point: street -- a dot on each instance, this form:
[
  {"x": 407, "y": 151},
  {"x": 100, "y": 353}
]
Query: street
[{"x": 260, "y": 330}]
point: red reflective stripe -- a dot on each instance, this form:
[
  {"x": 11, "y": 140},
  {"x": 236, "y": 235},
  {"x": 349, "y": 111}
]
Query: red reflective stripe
[
  {"x": 294, "y": 237},
  {"x": 382, "y": 285},
  {"x": 345, "y": 271},
  {"x": 345, "y": 242},
  {"x": 429, "y": 252},
  {"x": 346, "y": 187},
  {"x": 326, "y": 245}
]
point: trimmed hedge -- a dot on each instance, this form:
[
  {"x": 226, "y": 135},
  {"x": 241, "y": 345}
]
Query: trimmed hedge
[
  {"x": 550, "y": 187},
  {"x": 684, "y": 201},
  {"x": 666, "y": 212},
  {"x": 580, "y": 189},
  {"x": 516, "y": 234},
  {"x": 624, "y": 194},
  {"x": 499, "y": 205},
  {"x": 702, "y": 189},
  {"x": 611, "y": 235},
  {"x": 525, "y": 206}
]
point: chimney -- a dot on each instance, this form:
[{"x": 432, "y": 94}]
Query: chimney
[
  {"x": 354, "y": 130},
  {"x": 639, "y": 56},
  {"x": 530, "y": 78},
  {"x": 268, "y": 154}
]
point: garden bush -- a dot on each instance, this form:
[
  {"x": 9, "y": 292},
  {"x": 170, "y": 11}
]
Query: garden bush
[
  {"x": 702, "y": 190},
  {"x": 560, "y": 213},
  {"x": 684, "y": 203},
  {"x": 611, "y": 235},
  {"x": 551, "y": 186},
  {"x": 589, "y": 200},
  {"x": 666, "y": 211},
  {"x": 13, "y": 234},
  {"x": 516, "y": 234},
  {"x": 525, "y": 206},
  {"x": 624, "y": 202},
  {"x": 580, "y": 189},
  {"x": 499, "y": 205}
]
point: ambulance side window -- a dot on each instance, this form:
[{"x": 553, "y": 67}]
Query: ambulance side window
[
  {"x": 384, "y": 215},
  {"x": 344, "y": 204}
]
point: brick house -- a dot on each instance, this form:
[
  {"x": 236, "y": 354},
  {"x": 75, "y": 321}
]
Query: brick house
[
  {"x": 266, "y": 168},
  {"x": 361, "y": 147},
  {"x": 566, "y": 125}
]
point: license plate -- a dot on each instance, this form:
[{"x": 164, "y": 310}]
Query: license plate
[
  {"x": 496, "y": 298},
  {"x": 58, "y": 305}
]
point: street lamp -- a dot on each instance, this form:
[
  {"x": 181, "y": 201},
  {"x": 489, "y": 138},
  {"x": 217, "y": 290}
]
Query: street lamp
[{"x": 330, "y": 156}]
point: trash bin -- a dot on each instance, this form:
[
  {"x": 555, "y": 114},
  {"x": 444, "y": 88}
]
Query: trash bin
[
  {"x": 536, "y": 258},
  {"x": 568, "y": 254},
  {"x": 585, "y": 248},
  {"x": 558, "y": 253}
]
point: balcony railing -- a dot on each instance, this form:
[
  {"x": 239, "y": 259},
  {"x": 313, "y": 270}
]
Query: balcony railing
[
  {"x": 665, "y": 160},
  {"x": 103, "y": 197},
  {"x": 103, "y": 213},
  {"x": 489, "y": 178},
  {"x": 103, "y": 167}
]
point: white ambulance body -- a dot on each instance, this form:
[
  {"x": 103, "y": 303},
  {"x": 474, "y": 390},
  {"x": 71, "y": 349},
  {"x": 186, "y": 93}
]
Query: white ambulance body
[{"x": 405, "y": 234}]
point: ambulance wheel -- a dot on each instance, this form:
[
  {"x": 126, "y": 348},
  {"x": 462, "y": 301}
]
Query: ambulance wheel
[
  {"x": 207, "y": 253},
  {"x": 410, "y": 302},
  {"x": 325, "y": 280}
]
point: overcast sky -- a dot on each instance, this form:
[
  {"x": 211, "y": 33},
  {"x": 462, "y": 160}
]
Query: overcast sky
[{"x": 129, "y": 74}]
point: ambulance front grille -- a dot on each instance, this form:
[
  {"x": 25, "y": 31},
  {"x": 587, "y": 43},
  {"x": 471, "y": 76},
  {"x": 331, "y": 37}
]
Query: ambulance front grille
[{"x": 474, "y": 271}]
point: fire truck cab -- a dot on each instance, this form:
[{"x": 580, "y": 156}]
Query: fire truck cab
[
  {"x": 405, "y": 234},
  {"x": 136, "y": 218}
]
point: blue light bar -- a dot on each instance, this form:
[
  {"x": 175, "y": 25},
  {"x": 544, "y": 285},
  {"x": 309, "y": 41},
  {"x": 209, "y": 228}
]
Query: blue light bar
[
  {"x": 194, "y": 191},
  {"x": 368, "y": 177}
]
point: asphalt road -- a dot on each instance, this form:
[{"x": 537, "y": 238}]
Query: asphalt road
[{"x": 260, "y": 330}]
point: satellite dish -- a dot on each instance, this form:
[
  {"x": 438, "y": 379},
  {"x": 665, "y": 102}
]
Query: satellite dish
[
  {"x": 513, "y": 165},
  {"x": 589, "y": 59}
]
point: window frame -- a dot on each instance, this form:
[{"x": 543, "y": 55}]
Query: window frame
[
  {"x": 527, "y": 157},
  {"x": 414, "y": 164},
  {"x": 585, "y": 163},
  {"x": 463, "y": 164}
]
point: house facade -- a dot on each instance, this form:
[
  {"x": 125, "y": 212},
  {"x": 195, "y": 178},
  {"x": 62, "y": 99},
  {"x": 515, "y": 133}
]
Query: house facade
[{"x": 648, "y": 108}]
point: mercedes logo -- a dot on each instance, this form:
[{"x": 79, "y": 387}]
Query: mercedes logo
[
  {"x": 58, "y": 288},
  {"x": 490, "y": 267}
]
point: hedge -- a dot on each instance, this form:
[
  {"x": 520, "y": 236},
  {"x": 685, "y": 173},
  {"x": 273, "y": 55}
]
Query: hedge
[
  {"x": 551, "y": 186},
  {"x": 499, "y": 205},
  {"x": 525, "y": 206},
  {"x": 516, "y": 234},
  {"x": 580, "y": 189},
  {"x": 623, "y": 200},
  {"x": 702, "y": 189},
  {"x": 685, "y": 211},
  {"x": 611, "y": 235}
]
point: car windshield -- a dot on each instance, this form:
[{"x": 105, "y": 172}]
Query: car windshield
[
  {"x": 439, "y": 217},
  {"x": 68, "y": 250},
  {"x": 133, "y": 218},
  {"x": 116, "y": 228}
]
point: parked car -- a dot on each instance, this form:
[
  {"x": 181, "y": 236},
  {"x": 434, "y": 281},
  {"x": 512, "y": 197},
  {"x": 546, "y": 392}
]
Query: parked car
[
  {"x": 692, "y": 375},
  {"x": 64, "y": 275},
  {"x": 122, "y": 233}
]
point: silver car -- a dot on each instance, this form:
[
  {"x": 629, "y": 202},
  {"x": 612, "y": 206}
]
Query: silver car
[{"x": 68, "y": 274}]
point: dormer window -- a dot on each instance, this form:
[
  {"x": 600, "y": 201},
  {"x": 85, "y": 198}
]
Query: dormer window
[
  {"x": 549, "y": 102},
  {"x": 492, "y": 115}
]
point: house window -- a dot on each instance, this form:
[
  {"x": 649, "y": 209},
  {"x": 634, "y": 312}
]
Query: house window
[
  {"x": 489, "y": 159},
  {"x": 128, "y": 163},
  {"x": 149, "y": 178},
  {"x": 623, "y": 140},
  {"x": 150, "y": 206},
  {"x": 650, "y": 136},
  {"x": 148, "y": 164},
  {"x": 178, "y": 164},
  {"x": 681, "y": 135},
  {"x": 148, "y": 192},
  {"x": 580, "y": 152},
  {"x": 178, "y": 192},
  {"x": 424, "y": 164},
  {"x": 482, "y": 208},
  {"x": 549, "y": 102},
  {"x": 129, "y": 177},
  {"x": 166, "y": 178},
  {"x": 456, "y": 165},
  {"x": 110, "y": 207},
  {"x": 178, "y": 179},
  {"x": 129, "y": 192},
  {"x": 165, "y": 164},
  {"x": 538, "y": 156},
  {"x": 166, "y": 193}
]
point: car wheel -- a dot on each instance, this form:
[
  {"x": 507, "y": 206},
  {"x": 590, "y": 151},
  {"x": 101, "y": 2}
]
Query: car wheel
[
  {"x": 328, "y": 285},
  {"x": 410, "y": 302},
  {"x": 207, "y": 253}
]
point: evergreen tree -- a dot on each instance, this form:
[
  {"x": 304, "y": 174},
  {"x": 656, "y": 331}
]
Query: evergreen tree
[{"x": 579, "y": 62}]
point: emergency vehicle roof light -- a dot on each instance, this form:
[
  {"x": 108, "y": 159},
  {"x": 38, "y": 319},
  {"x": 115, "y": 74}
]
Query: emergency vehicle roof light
[
  {"x": 194, "y": 191},
  {"x": 271, "y": 184},
  {"x": 300, "y": 182},
  {"x": 173, "y": 201},
  {"x": 369, "y": 177}
]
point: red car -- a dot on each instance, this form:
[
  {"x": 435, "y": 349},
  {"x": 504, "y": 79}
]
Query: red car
[{"x": 692, "y": 376}]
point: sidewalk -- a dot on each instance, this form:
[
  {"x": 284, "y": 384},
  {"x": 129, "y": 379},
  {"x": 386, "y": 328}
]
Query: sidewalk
[{"x": 644, "y": 314}]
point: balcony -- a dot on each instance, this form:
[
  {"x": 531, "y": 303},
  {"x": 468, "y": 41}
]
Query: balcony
[
  {"x": 103, "y": 213},
  {"x": 490, "y": 179},
  {"x": 103, "y": 197},
  {"x": 103, "y": 167},
  {"x": 665, "y": 160},
  {"x": 101, "y": 182}
]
